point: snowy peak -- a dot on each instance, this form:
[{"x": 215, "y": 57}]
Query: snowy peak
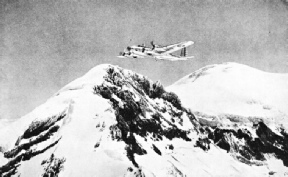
[
  {"x": 236, "y": 89},
  {"x": 114, "y": 122},
  {"x": 245, "y": 107},
  {"x": 225, "y": 71},
  {"x": 93, "y": 77},
  {"x": 110, "y": 114}
]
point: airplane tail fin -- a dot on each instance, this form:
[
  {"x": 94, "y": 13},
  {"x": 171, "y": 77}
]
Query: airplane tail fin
[
  {"x": 153, "y": 45},
  {"x": 183, "y": 52}
]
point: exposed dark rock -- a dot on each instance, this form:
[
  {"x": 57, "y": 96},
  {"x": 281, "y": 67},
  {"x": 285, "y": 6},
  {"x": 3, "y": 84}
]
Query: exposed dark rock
[
  {"x": 273, "y": 143},
  {"x": 173, "y": 99},
  {"x": 115, "y": 133},
  {"x": 14, "y": 163},
  {"x": 106, "y": 92},
  {"x": 130, "y": 169},
  {"x": 137, "y": 115},
  {"x": 11, "y": 172},
  {"x": 26, "y": 146},
  {"x": 36, "y": 127},
  {"x": 157, "y": 90},
  {"x": 132, "y": 148},
  {"x": 157, "y": 116},
  {"x": 37, "y": 132},
  {"x": 131, "y": 115},
  {"x": 174, "y": 132},
  {"x": 253, "y": 148},
  {"x": 203, "y": 143},
  {"x": 53, "y": 166},
  {"x": 32, "y": 153},
  {"x": 97, "y": 145},
  {"x": 144, "y": 84},
  {"x": 170, "y": 146},
  {"x": 156, "y": 150}
]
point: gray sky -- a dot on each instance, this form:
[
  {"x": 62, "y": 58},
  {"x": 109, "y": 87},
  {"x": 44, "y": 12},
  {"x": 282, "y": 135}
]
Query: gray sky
[{"x": 46, "y": 44}]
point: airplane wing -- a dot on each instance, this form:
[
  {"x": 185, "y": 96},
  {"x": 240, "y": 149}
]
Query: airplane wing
[
  {"x": 173, "y": 58},
  {"x": 174, "y": 47},
  {"x": 130, "y": 56}
]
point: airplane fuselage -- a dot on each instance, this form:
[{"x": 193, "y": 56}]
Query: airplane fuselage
[{"x": 157, "y": 52}]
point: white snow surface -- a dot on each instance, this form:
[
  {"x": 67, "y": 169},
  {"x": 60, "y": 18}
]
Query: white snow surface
[
  {"x": 229, "y": 88},
  {"x": 235, "y": 90}
]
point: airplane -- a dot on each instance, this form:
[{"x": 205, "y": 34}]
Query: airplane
[{"x": 158, "y": 52}]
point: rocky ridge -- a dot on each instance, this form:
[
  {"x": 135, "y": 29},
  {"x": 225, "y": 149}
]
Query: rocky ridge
[{"x": 138, "y": 127}]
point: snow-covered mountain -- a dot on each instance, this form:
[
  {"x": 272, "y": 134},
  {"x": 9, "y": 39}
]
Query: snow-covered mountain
[
  {"x": 236, "y": 90},
  {"x": 114, "y": 122}
]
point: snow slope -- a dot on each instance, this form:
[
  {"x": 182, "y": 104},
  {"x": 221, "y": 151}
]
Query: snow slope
[
  {"x": 114, "y": 122},
  {"x": 235, "y": 89}
]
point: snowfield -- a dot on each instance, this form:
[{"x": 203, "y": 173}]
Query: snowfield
[
  {"x": 236, "y": 90},
  {"x": 114, "y": 122}
]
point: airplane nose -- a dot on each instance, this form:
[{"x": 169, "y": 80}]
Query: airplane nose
[{"x": 190, "y": 42}]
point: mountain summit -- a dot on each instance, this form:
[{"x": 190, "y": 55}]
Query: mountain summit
[
  {"x": 114, "y": 122},
  {"x": 235, "y": 89}
]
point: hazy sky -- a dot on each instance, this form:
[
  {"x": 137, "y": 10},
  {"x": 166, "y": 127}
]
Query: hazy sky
[{"x": 45, "y": 44}]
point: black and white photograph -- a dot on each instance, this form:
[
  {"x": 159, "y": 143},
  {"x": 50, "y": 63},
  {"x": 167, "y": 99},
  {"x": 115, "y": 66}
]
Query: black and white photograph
[{"x": 143, "y": 88}]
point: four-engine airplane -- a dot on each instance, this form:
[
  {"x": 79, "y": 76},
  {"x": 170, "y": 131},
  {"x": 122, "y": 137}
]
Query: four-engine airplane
[{"x": 158, "y": 52}]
